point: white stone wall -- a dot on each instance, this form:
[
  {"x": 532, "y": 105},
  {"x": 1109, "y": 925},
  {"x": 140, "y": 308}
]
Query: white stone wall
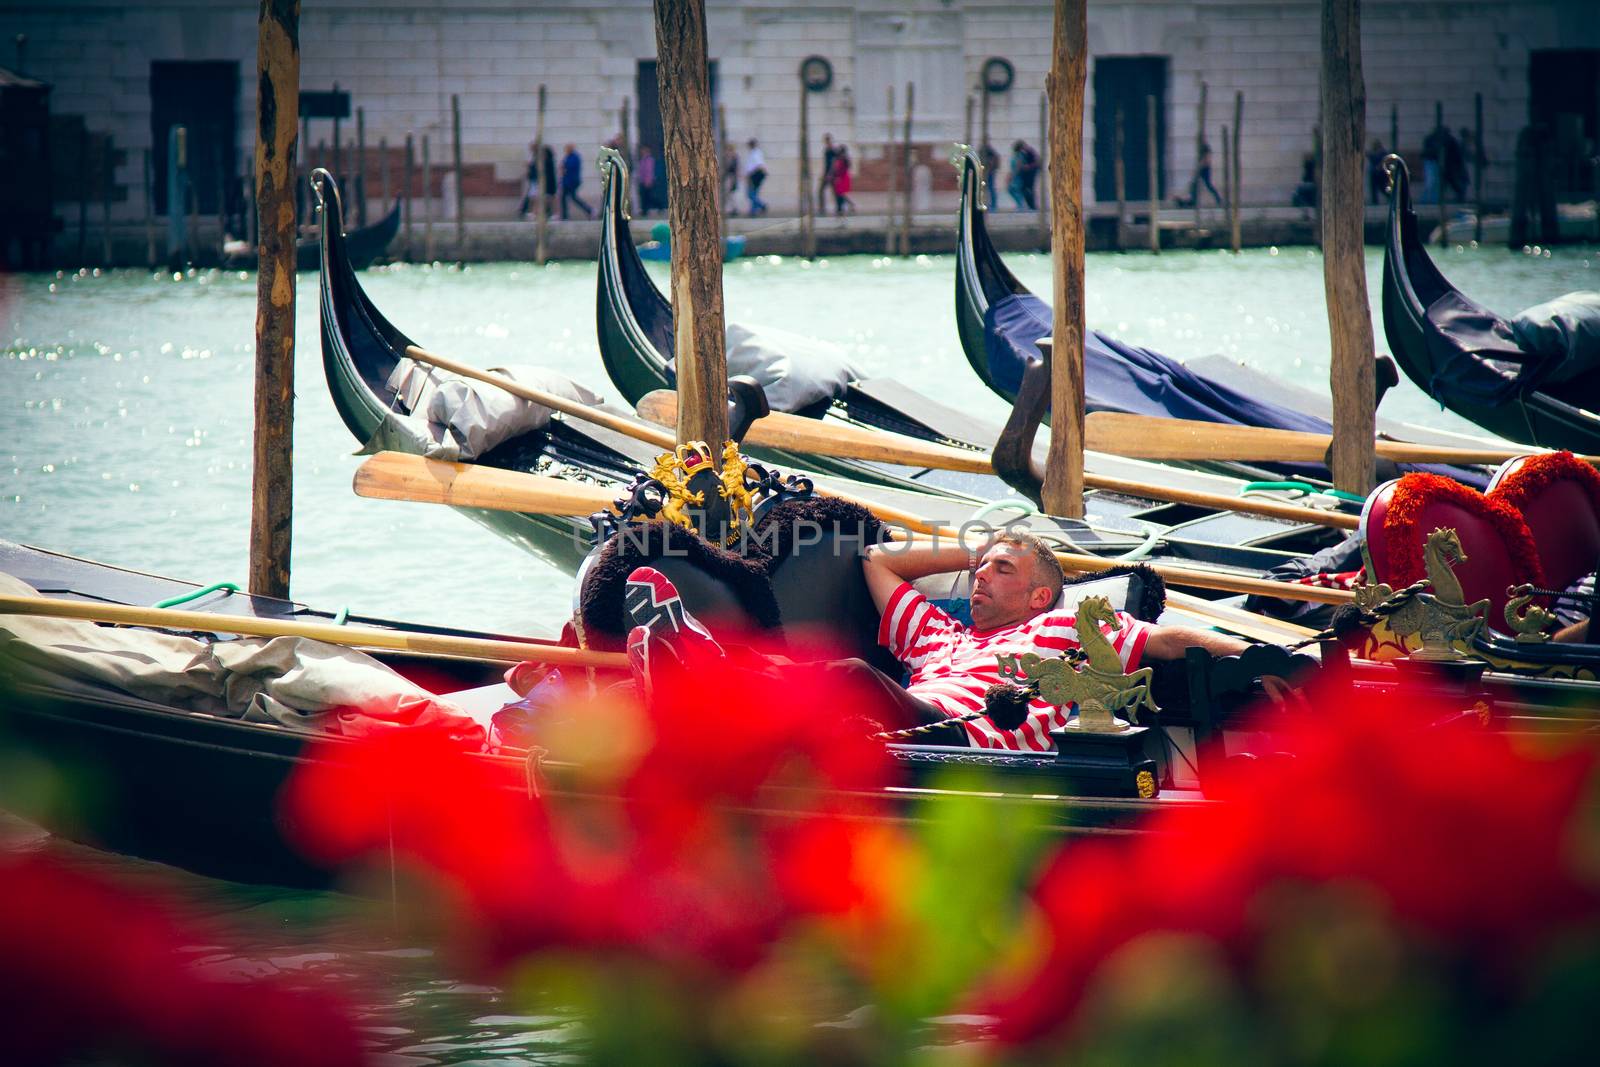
[{"x": 402, "y": 59}]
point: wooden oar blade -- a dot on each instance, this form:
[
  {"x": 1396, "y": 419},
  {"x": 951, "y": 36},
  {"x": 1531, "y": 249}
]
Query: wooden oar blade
[
  {"x": 399, "y": 476},
  {"x": 1149, "y": 437},
  {"x": 831, "y": 437}
]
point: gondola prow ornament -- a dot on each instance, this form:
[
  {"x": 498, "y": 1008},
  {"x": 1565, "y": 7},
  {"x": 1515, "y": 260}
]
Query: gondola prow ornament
[{"x": 1097, "y": 745}]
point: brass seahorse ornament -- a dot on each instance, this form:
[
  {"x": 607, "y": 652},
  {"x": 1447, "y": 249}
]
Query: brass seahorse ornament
[{"x": 1101, "y": 689}]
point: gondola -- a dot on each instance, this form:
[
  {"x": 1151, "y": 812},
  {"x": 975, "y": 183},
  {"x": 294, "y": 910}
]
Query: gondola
[
  {"x": 999, "y": 322},
  {"x": 361, "y": 351},
  {"x": 362, "y": 246},
  {"x": 1468, "y": 358},
  {"x": 634, "y": 326},
  {"x": 201, "y": 791}
]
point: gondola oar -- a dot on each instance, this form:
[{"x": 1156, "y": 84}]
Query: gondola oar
[
  {"x": 832, "y": 438},
  {"x": 1152, "y": 437},
  {"x": 399, "y": 476},
  {"x": 353, "y": 636}
]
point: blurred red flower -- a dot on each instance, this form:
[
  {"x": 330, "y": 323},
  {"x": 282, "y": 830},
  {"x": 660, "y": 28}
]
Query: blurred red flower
[
  {"x": 713, "y": 805},
  {"x": 89, "y": 970},
  {"x": 1468, "y": 844}
]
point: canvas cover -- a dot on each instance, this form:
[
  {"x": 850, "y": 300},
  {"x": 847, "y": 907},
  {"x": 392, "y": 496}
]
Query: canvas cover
[
  {"x": 457, "y": 419},
  {"x": 1565, "y": 332},
  {"x": 796, "y": 371},
  {"x": 305, "y": 684}
]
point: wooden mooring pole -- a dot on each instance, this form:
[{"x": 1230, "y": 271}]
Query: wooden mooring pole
[
  {"x": 905, "y": 171},
  {"x": 361, "y": 166},
  {"x": 1227, "y": 173},
  {"x": 1120, "y": 175},
  {"x": 1477, "y": 165},
  {"x": 1153, "y": 144},
  {"x": 1199, "y": 149},
  {"x": 410, "y": 174},
  {"x": 427, "y": 202},
  {"x": 278, "y": 105},
  {"x": 808, "y": 222},
  {"x": 892, "y": 180},
  {"x": 541, "y": 205},
  {"x": 1343, "y": 216},
  {"x": 693, "y": 172},
  {"x": 1063, "y": 480},
  {"x": 1235, "y": 197},
  {"x": 461, "y": 193},
  {"x": 149, "y": 211}
]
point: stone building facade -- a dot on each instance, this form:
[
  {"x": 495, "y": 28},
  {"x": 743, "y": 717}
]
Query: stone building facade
[{"x": 401, "y": 61}]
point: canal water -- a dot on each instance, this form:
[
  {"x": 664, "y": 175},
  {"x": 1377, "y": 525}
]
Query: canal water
[{"x": 125, "y": 406}]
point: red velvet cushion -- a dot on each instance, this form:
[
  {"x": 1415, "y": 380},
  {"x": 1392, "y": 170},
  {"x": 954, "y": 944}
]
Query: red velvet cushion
[
  {"x": 1559, "y": 498},
  {"x": 1500, "y": 551}
]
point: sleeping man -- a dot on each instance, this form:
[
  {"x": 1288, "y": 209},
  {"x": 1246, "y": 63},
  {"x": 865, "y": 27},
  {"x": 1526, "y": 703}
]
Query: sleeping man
[{"x": 1016, "y": 583}]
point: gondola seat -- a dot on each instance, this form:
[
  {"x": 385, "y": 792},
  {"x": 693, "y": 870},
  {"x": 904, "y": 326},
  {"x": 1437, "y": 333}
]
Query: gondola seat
[
  {"x": 1400, "y": 514},
  {"x": 1558, "y": 496}
]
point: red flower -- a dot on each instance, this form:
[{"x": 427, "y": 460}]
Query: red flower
[
  {"x": 721, "y": 795},
  {"x": 88, "y": 970},
  {"x": 1466, "y": 841}
]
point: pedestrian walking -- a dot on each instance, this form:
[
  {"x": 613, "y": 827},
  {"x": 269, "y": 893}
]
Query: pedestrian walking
[
  {"x": 1202, "y": 178},
  {"x": 648, "y": 180},
  {"x": 829, "y": 154},
  {"x": 1377, "y": 180},
  {"x": 755, "y": 172},
  {"x": 840, "y": 172},
  {"x": 530, "y": 192},
  {"x": 1437, "y": 149},
  {"x": 1024, "y": 169},
  {"x": 571, "y": 179},
  {"x": 991, "y": 169}
]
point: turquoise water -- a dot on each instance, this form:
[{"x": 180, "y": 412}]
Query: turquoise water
[
  {"x": 126, "y": 398},
  {"x": 125, "y": 401}
]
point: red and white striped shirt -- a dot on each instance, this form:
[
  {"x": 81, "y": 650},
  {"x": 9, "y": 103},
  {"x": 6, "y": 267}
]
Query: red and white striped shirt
[{"x": 953, "y": 665}]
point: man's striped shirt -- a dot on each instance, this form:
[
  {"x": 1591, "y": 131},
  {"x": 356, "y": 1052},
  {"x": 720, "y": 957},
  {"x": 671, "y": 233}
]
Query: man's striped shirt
[{"x": 953, "y": 665}]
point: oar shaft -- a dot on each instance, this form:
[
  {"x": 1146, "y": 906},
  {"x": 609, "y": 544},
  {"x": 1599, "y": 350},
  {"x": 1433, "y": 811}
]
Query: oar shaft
[
  {"x": 354, "y": 636},
  {"x": 617, "y": 423},
  {"x": 1269, "y": 508}
]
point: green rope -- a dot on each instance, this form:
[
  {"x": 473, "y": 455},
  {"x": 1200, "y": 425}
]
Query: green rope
[
  {"x": 174, "y": 601},
  {"x": 1290, "y": 486}
]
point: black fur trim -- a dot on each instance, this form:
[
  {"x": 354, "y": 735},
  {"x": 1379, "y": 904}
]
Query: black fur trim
[
  {"x": 1151, "y": 590},
  {"x": 774, "y": 535},
  {"x": 1007, "y": 705},
  {"x": 605, "y": 585}
]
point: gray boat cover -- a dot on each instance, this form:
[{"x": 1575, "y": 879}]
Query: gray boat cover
[
  {"x": 796, "y": 371},
  {"x": 458, "y": 419},
  {"x": 309, "y": 685},
  {"x": 1565, "y": 332}
]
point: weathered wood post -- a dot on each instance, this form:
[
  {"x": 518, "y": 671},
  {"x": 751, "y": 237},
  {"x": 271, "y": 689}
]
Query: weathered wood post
[
  {"x": 1063, "y": 478},
  {"x": 277, "y": 106},
  {"x": 149, "y": 211},
  {"x": 1238, "y": 177},
  {"x": 808, "y": 233},
  {"x": 410, "y": 174},
  {"x": 385, "y": 175},
  {"x": 177, "y": 212},
  {"x": 1119, "y": 172},
  {"x": 338, "y": 163},
  {"x": 1344, "y": 272},
  {"x": 541, "y": 214},
  {"x": 693, "y": 174},
  {"x": 1199, "y": 149},
  {"x": 427, "y": 202},
  {"x": 905, "y": 169},
  {"x": 85, "y": 185},
  {"x": 890, "y": 171},
  {"x": 626, "y": 134},
  {"x": 222, "y": 198},
  {"x": 1227, "y": 174},
  {"x": 1154, "y": 171},
  {"x": 1477, "y": 164},
  {"x": 361, "y": 166},
  {"x": 983, "y": 123},
  {"x": 455, "y": 162},
  {"x": 1041, "y": 188},
  {"x": 106, "y": 192},
  {"x": 1394, "y": 128},
  {"x": 967, "y": 140}
]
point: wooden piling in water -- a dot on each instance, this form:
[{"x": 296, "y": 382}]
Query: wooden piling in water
[
  {"x": 905, "y": 169},
  {"x": 1477, "y": 165},
  {"x": 1227, "y": 174},
  {"x": 1063, "y": 480},
  {"x": 1238, "y": 178},
  {"x": 85, "y": 183},
  {"x": 1351, "y": 374},
  {"x": 1154, "y": 171},
  {"x": 541, "y": 215},
  {"x": 149, "y": 211},
  {"x": 385, "y": 175},
  {"x": 889, "y": 169},
  {"x": 967, "y": 139},
  {"x": 427, "y": 202},
  {"x": 361, "y": 166},
  {"x": 1199, "y": 149},
  {"x": 106, "y": 191},
  {"x": 272, "y": 487},
  {"x": 1120, "y": 175},
  {"x": 455, "y": 162},
  {"x": 410, "y": 167},
  {"x": 625, "y": 136},
  {"x": 693, "y": 172},
  {"x": 808, "y": 229}
]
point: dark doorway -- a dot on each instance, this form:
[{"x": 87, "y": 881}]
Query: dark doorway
[
  {"x": 203, "y": 97},
  {"x": 1127, "y": 81},
  {"x": 649, "y": 116},
  {"x": 1564, "y": 95}
]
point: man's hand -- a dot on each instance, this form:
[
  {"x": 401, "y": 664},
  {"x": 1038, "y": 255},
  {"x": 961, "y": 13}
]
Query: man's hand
[
  {"x": 1170, "y": 642},
  {"x": 887, "y": 565}
]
